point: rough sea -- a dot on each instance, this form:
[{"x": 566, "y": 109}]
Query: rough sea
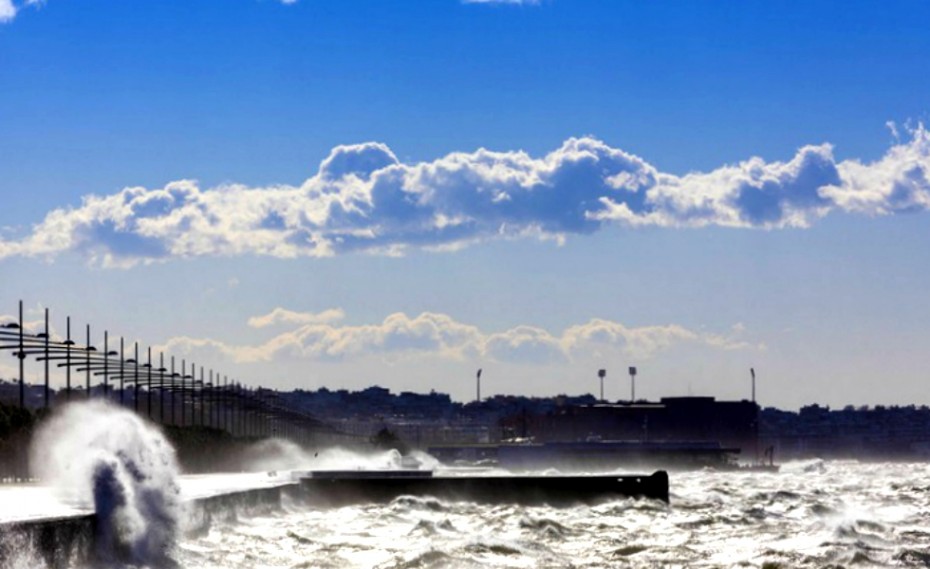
[{"x": 811, "y": 514}]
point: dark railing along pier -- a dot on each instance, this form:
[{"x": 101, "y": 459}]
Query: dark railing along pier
[{"x": 181, "y": 397}]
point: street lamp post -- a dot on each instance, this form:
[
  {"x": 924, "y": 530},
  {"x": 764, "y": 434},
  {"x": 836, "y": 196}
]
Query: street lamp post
[
  {"x": 161, "y": 386},
  {"x": 240, "y": 403},
  {"x": 87, "y": 350},
  {"x": 478, "y": 387},
  {"x": 173, "y": 376},
  {"x": 122, "y": 370},
  {"x": 106, "y": 367},
  {"x": 221, "y": 396},
  {"x": 135, "y": 376},
  {"x": 227, "y": 424},
  {"x": 68, "y": 342},
  {"x": 632, "y": 384},
  {"x": 47, "y": 334},
  {"x": 183, "y": 377},
  {"x": 22, "y": 360},
  {"x": 149, "y": 386},
  {"x": 202, "y": 381},
  {"x": 203, "y": 402}
]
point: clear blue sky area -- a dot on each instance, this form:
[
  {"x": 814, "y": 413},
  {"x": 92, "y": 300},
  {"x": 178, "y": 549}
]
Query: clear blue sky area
[{"x": 101, "y": 95}]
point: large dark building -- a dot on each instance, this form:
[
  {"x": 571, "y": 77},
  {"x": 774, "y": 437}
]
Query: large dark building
[{"x": 731, "y": 423}]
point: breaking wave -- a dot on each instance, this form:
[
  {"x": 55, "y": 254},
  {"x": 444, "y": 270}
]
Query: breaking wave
[{"x": 94, "y": 453}]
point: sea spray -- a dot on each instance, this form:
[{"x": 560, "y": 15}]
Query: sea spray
[
  {"x": 96, "y": 453},
  {"x": 281, "y": 454},
  {"x": 878, "y": 517}
]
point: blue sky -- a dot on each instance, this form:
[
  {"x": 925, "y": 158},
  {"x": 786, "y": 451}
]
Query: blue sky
[{"x": 296, "y": 193}]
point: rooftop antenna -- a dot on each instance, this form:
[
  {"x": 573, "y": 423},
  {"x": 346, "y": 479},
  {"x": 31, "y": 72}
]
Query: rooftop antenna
[{"x": 478, "y": 381}]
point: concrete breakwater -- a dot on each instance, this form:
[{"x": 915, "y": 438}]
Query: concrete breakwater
[
  {"x": 75, "y": 540},
  {"x": 101, "y": 537},
  {"x": 346, "y": 487},
  {"x": 54, "y": 542}
]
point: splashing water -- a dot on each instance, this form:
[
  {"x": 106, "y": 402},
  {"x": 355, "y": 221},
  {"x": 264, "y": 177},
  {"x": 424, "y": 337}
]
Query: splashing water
[
  {"x": 837, "y": 513},
  {"x": 96, "y": 453},
  {"x": 281, "y": 454}
]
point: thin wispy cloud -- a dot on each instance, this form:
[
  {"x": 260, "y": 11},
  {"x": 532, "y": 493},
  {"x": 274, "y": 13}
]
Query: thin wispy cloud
[
  {"x": 7, "y": 11},
  {"x": 440, "y": 335},
  {"x": 363, "y": 199},
  {"x": 10, "y": 8}
]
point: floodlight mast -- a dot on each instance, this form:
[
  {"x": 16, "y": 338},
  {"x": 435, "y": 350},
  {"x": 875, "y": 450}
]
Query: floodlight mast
[
  {"x": 478, "y": 386},
  {"x": 632, "y": 384}
]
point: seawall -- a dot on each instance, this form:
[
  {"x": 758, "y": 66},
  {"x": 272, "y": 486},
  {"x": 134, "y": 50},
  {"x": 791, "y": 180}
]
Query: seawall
[{"x": 68, "y": 541}]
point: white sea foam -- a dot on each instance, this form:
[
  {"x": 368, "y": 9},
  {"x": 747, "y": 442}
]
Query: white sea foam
[{"x": 832, "y": 514}]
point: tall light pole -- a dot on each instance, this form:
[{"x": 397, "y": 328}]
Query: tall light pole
[
  {"x": 755, "y": 410},
  {"x": 202, "y": 381},
  {"x": 173, "y": 381},
  {"x": 22, "y": 360},
  {"x": 148, "y": 389},
  {"x": 632, "y": 384},
  {"x": 161, "y": 387},
  {"x": 122, "y": 371},
  {"x": 183, "y": 377},
  {"x": 106, "y": 363},
  {"x": 47, "y": 337},
  {"x": 478, "y": 381},
  {"x": 227, "y": 407},
  {"x": 68, "y": 342},
  {"x": 601, "y": 373},
  {"x": 87, "y": 350}
]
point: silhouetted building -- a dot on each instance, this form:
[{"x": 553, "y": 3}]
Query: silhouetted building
[{"x": 699, "y": 419}]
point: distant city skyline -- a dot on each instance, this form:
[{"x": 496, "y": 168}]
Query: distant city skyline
[{"x": 313, "y": 193}]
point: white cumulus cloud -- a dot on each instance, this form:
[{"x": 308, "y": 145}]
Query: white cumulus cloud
[
  {"x": 284, "y": 316},
  {"x": 364, "y": 199},
  {"x": 440, "y": 335}
]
